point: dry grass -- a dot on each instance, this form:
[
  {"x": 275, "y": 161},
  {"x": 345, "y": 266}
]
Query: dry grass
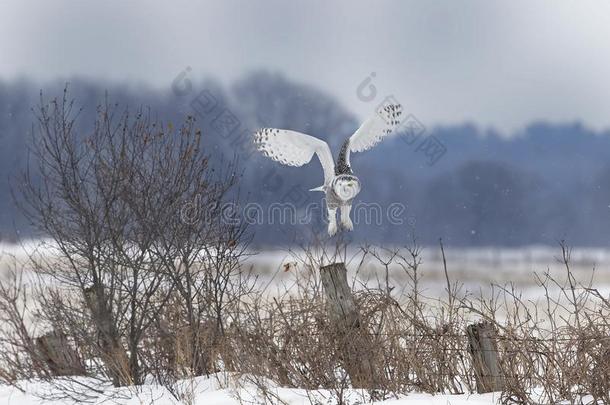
[{"x": 553, "y": 349}]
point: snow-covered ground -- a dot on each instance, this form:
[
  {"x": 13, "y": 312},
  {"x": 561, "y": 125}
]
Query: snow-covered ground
[{"x": 221, "y": 390}]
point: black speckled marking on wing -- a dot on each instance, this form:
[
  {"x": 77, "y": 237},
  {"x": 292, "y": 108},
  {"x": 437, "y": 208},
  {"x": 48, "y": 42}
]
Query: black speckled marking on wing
[
  {"x": 391, "y": 115},
  {"x": 265, "y": 140}
]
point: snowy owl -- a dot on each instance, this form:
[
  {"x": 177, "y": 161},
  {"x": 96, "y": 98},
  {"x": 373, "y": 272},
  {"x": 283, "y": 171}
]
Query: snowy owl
[{"x": 340, "y": 185}]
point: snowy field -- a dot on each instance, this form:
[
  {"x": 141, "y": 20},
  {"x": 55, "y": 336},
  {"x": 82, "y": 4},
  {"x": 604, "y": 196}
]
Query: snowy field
[
  {"x": 222, "y": 390},
  {"x": 475, "y": 269}
]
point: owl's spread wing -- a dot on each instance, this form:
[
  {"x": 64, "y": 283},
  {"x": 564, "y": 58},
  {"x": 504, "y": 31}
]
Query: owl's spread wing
[
  {"x": 372, "y": 131},
  {"x": 294, "y": 149}
]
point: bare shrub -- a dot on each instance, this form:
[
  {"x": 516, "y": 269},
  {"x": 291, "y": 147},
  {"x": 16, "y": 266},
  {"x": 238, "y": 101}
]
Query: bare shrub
[{"x": 138, "y": 287}]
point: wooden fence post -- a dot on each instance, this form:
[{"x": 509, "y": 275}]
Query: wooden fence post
[
  {"x": 483, "y": 348},
  {"x": 355, "y": 345},
  {"x": 114, "y": 356},
  {"x": 339, "y": 299},
  {"x": 57, "y": 353}
]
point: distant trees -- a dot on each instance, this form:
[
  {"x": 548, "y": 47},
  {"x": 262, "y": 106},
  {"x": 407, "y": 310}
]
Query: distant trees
[
  {"x": 266, "y": 99},
  {"x": 485, "y": 202},
  {"x": 561, "y": 167},
  {"x": 495, "y": 197}
]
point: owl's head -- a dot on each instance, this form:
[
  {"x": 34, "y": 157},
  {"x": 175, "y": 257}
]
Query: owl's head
[{"x": 346, "y": 186}]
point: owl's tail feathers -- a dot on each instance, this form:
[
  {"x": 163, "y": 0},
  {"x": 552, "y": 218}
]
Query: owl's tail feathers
[{"x": 321, "y": 188}]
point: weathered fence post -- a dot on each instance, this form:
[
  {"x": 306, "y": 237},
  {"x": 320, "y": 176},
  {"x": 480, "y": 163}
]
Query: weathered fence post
[
  {"x": 59, "y": 356},
  {"x": 339, "y": 299},
  {"x": 115, "y": 356},
  {"x": 483, "y": 348},
  {"x": 355, "y": 344}
]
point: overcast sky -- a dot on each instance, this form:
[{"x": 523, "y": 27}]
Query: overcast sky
[{"x": 499, "y": 65}]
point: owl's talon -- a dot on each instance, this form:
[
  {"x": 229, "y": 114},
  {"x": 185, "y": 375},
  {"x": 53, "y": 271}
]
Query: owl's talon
[
  {"x": 346, "y": 221},
  {"x": 332, "y": 228}
]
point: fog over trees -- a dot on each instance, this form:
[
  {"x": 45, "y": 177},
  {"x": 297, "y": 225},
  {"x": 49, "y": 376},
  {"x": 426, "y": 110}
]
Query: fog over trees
[{"x": 545, "y": 183}]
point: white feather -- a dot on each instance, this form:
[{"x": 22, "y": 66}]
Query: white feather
[
  {"x": 294, "y": 149},
  {"x": 377, "y": 127}
]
